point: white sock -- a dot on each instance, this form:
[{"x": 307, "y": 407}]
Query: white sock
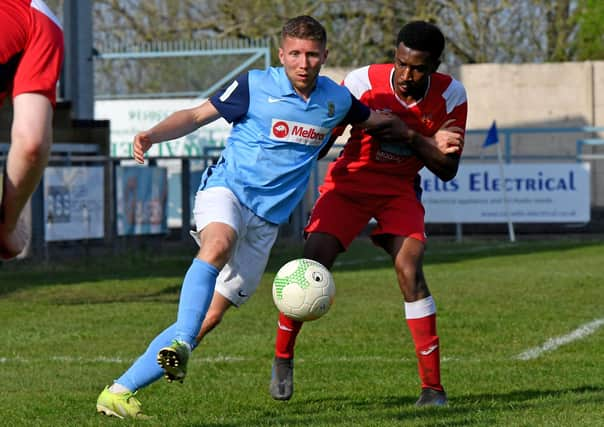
[
  {"x": 420, "y": 308},
  {"x": 118, "y": 388}
]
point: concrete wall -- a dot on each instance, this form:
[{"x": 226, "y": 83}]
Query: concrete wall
[
  {"x": 552, "y": 95},
  {"x": 529, "y": 95}
]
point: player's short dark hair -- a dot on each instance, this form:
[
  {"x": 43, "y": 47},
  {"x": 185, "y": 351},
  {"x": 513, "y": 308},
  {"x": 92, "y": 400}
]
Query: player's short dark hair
[
  {"x": 424, "y": 36},
  {"x": 304, "y": 27}
]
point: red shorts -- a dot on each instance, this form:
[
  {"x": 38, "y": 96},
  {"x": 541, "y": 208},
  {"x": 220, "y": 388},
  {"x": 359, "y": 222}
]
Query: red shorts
[
  {"x": 31, "y": 49},
  {"x": 345, "y": 216}
]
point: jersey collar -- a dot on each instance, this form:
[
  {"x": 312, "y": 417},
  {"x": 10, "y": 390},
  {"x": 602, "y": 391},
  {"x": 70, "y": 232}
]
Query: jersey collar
[{"x": 285, "y": 86}]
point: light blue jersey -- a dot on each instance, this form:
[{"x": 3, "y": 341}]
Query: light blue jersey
[{"x": 276, "y": 138}]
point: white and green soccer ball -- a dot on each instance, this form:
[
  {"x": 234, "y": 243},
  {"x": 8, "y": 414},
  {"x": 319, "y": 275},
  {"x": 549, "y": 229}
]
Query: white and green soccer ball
[{"x": 303, "y": 289}]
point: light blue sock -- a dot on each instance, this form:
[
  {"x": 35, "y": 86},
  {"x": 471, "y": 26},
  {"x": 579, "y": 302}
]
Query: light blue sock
[
  {"x": 195, "y": 297},
  {"x": 145, "y": 369}
]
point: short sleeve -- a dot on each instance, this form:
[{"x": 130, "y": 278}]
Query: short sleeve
[
  {"x": 233, "y": 101},
  {"x": 357, "y": 113}
]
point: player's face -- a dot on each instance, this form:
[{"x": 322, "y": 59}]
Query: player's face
[
  {"x": 412, "y": 68},
  {"x": 302, "y": 60}
]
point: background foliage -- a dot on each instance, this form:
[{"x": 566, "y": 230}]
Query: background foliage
[{"x": 359, "y": 31}]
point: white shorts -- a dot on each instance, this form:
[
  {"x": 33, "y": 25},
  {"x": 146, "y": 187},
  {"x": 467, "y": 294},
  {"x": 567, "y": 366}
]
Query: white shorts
[{"x": 240, "y": 277}]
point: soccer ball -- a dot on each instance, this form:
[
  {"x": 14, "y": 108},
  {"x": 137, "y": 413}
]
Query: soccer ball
[{"x": 303, "y": 289}]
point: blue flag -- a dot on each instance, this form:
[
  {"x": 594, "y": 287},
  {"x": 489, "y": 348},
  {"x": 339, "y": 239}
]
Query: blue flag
[{"x": 492, "y": 137}]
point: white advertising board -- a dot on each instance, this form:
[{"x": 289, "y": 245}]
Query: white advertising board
[
  {"x": 535, "y": 193},
  {"x": 128, "y": 117}
]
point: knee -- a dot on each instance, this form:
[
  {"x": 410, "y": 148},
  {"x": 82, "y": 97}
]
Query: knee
[
  {"x": 216, "y": 251},
  {"x": 34, "y": 148},
  {"x": 406, "y": 273},
  {"x": 410, "y": 281}
]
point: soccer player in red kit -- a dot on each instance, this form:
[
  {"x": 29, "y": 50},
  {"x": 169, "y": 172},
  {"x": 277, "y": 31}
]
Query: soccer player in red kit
[
  {"x": 31, "y": 55},
  {"x": 380, "y": 180}
]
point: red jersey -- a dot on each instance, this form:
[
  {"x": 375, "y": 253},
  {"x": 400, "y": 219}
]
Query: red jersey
[
  {"x": 31, "y": 48},
  {"x": 368, "y": 166}
]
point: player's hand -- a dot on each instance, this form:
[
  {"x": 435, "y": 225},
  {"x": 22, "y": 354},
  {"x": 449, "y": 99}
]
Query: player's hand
[
  {"x": 388, "y": 127},
  {"x": 449, "y": 139},
  {"x": 142, "y": 143}
]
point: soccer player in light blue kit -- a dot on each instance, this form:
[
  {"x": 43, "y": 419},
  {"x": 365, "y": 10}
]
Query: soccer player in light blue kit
[{"x": 281, "y": 117}]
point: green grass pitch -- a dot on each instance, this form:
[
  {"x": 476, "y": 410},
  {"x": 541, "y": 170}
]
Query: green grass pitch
[{"x": 521, "y": 328}]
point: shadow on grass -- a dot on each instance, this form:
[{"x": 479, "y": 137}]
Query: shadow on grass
[
  {"x": 438, "y": 252},
  {"x": 467, "y": 410},
  {"x": 362, "y": 255},
  {"x": 30, "y": 274}
]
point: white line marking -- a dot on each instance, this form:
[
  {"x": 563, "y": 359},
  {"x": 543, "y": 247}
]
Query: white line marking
[
  {"x": 553, "y": 343},
  {"x": 220, "y": 359},
  {"x": 533, "y": 353}
]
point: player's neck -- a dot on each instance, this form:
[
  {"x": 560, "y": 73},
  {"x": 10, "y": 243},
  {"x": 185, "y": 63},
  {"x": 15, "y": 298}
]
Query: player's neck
[{"x": 305, "y": 95}]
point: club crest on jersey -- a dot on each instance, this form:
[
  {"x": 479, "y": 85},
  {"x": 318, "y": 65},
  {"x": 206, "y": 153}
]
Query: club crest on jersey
[
  {"x": 296, "y": 132},
  {"x": 331, "y": 109},
  {"x": 427, "y": 120}
]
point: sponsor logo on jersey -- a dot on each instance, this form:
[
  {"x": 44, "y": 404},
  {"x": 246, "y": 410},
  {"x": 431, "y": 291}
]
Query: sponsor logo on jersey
[
  {"x": 280, "y": 129},
  {"x": 393, "y": 152},
  {"x": 296, "y": 132}
]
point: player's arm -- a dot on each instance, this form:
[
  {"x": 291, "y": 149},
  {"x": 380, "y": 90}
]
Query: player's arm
[
  {"x": 174, "y": 126},
  {"x": 230, "y": 103},
  {"x": 358, "y": 115},
  {"x": 379, "y": 122},
  {"x": 440, "y": 153},
  {"x": 385, "y": 126},
  {"x": 337, "y": 132}
]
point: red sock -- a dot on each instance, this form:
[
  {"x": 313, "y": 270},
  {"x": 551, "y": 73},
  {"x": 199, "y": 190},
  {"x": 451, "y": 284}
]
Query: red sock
[
  {"x": 423, "y": 331},
  {"x": 287, "y": 331}
]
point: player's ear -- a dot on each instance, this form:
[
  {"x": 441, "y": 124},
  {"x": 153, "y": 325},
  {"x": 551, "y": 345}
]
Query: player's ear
[
  {"x": 325, "y": 56},
  {"x": 281, "y": 56}
]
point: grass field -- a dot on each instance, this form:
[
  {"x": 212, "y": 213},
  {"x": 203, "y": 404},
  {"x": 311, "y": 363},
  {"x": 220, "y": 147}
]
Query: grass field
[{"x": 521, "y": 327}]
